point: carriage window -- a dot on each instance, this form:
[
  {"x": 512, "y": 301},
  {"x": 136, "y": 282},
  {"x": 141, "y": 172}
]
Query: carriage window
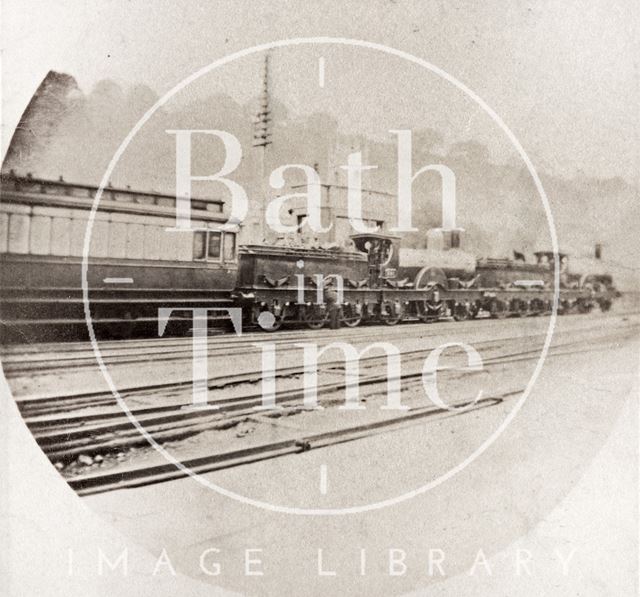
[
  {"x": 76, "y": 235},
  {"x": 117, "y": 239},
  {"x": 215, "y": 239},
  {"x": 40, "y": 235},
  {"x": 135, "y": 241},
  {"x": 152, "y": 242},
  {"x": 19, "y": 233},
  {"x": 229, "y": 246},
  {"x": 199, "y": 239},
  {"x": 99, "y": 239},
  {"x": 60, "y": 237},
  {"x": 455, "y": 239}
]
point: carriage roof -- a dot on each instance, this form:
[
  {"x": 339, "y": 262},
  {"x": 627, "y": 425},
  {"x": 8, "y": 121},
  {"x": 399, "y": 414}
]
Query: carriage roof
[{"x": 60, "y": 193}]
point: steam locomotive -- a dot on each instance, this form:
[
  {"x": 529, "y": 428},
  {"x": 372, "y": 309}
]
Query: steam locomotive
[
  {"x": 380, "y": 281},
  {"x": 135, "y": 266}
]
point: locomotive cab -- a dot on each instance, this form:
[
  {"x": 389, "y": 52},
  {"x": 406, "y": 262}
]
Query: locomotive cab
[
  {"x": 546, "y": 260},
  {"x": 382, "y": 256}
]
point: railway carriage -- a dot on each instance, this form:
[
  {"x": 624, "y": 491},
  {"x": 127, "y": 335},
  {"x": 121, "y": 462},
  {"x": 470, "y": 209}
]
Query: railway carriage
[{"x": 135, "y": 263}]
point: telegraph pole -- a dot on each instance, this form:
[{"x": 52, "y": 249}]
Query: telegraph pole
[{"x": 261, "y": 141}]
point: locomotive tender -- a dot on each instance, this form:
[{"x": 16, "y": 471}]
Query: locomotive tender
[{"x": 137, "y": 265}]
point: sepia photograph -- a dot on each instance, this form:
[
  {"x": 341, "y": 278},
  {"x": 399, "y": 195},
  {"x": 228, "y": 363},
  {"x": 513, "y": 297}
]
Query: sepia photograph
[{"x": 330, "y": 298}]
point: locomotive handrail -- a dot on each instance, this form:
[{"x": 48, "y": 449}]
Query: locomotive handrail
[{"x": 298, "y": 251}]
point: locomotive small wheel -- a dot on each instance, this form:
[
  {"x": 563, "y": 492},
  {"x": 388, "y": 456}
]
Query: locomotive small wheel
[
  {"x": 498, "y": 309},
  {"x": 422, "y": 312},
  {"x": 350, "y": 317},
  {"x": 537, "y": 307},
  {"x": 268, "y": 321},
  {"x": 523, "y": 309},
  {"x": 605, "y": 305},
  {"x": 584, "y": 306},
  {"x": 460, "y": 312},
  {"x": 388, "y": 316},
  {"x": 315, "y": 316},
  {"x": 516, "y": 309},
  {"x": 427, "y": 313}
]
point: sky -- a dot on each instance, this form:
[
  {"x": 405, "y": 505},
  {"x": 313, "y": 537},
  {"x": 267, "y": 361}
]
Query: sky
[{"x": 562, "y": 75}]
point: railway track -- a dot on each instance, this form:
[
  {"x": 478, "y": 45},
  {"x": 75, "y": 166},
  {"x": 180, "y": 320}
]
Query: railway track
[
  {"x": 39, "y": 359},
  {"x": 131, "y": 477},
  {"x": 43, "y": 360},
  {"x": 38, "y": 412},
  {"x": 138, "y": 477},
  {"x": 63, "y": 438}
]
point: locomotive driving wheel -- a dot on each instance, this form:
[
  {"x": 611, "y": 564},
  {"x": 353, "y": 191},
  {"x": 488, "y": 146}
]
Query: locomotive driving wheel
[
  {"x": 391, "y": 312},
  {"x": 565, "y": 307},
  {"x": 537, "y": 307},
  {"x": 605, "y": 304},
  {"x": 428, "y": 312},
  {"x": 315, "y": 316},
  {"x": 520, "y": 307},
  {"x": 269, "y": 321},
  {"x": 430, "y": 276},
  {"x": 461, "y": 312},
  {"x": 584, "y": 306},
  {"x": 351, "y": 315}
]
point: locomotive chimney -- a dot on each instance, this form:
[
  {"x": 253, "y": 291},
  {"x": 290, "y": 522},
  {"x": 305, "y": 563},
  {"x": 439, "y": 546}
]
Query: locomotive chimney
[
  {"x": 449, "y": 236},
  {"x": 598, "y": 251}
]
